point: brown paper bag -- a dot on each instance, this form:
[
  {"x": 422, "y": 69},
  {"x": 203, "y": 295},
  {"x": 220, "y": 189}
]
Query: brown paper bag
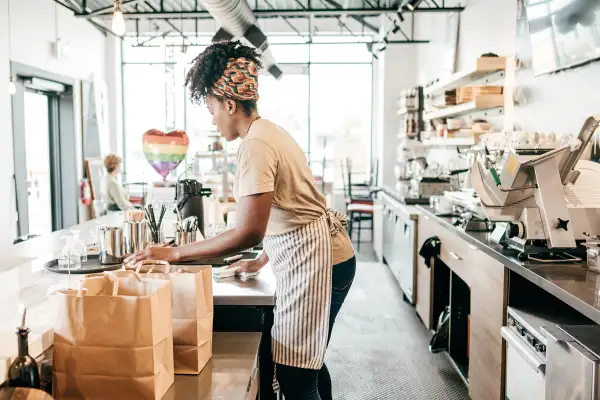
[
  {"x": 192, "y": 299},
  {"x": 113, "y": 339}
]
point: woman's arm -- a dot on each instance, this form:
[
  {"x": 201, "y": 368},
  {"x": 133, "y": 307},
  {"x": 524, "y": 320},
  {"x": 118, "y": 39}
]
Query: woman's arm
[
  {"x": 253, "y": 215},
  {"x": 251, "y": 265}
]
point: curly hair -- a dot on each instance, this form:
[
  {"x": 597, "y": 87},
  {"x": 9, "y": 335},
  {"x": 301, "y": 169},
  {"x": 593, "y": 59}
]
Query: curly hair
[
  {"x": 209, "y": 66},
  {"x": 111, "y": 162}
]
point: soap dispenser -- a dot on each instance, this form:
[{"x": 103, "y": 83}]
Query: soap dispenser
[
  {"x": 69, "y": 258},
  {"x": 79, "y": 245}
]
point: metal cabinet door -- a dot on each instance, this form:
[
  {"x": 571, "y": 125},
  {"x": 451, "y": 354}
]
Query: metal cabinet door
[
  {"x": 405, "y": 232},
  {"x": 388, "y": 239},
  {"x": 396, "y": 250},
  {"x": 378, "y": 229},
  {"x": 571, "y": 370}
]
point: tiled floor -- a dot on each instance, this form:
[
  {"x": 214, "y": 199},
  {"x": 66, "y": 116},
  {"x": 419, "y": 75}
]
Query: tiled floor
[{"x": 379, "y": 347}]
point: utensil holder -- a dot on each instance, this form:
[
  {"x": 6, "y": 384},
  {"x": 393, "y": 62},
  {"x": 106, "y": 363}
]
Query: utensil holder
[
  {"x": 183, "y": 237},
  {"x": 161, "y": 239}
]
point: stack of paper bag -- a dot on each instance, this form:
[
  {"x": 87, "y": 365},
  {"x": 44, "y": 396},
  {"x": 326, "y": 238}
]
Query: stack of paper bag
[
  {"x": 192, "y": 299},
  {"x": 113, "y": 339}
]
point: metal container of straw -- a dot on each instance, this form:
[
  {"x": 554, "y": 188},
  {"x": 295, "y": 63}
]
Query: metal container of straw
[
  {"x": 137, "y": 236},
  {"x": 154, "y": 225}
]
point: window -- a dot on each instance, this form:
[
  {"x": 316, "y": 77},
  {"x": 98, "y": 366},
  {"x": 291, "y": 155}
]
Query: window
[
  {"x": 285, "y": 101},
  {"x": 340, "y": 118},
  {"x": 323, "y": 99}
]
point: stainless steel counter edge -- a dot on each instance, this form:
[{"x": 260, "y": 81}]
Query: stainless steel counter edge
[
  {"x": 410, "y": 211},
  {"x": 571, "y": 283}
]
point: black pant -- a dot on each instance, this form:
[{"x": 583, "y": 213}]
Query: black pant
[{"x": 311, "y": 384}]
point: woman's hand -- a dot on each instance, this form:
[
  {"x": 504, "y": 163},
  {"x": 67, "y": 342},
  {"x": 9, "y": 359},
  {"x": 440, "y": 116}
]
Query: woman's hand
[
  {"x": 169, "y": 254},
  {"x": 250, "y": 266}
]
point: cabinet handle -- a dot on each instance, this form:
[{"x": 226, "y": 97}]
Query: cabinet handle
[
  {"x": 472, "y": 246},
  {"x": 455, "y": 256}
]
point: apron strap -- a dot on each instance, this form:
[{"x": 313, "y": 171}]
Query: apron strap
[{"x": 337, "y": 221}]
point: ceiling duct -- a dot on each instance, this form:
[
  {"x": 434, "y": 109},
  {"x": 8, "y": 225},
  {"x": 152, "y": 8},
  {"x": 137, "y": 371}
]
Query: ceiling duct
[{"x": 237, "y": 20}]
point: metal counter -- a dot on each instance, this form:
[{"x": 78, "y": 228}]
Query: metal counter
[{"x": 573, "y": 284}]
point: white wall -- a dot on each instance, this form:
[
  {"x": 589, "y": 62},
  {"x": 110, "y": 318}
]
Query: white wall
[
  {"x": 486, "y": 26},
  {"x": 114, "y": 76},
  {"x": 399, "y": 71},
  {"x": 32, "y": 31}
]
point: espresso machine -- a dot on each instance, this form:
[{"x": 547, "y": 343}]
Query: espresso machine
[{"x": 189, "y": 200}]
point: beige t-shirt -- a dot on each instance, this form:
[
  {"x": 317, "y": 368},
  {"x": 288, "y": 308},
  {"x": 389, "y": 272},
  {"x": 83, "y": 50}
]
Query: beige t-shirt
[{"x": 270, "y": 160}]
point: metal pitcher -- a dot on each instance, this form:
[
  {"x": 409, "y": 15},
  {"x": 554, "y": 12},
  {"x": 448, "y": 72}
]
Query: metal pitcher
[{"x": 111, "y": 245}]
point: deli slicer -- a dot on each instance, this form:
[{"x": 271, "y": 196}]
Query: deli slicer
[{"x": 549, "y": 201}]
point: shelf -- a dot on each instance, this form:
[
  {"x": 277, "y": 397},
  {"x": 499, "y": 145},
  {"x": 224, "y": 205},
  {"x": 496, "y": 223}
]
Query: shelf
[
  {"x": 460, "y": 141},
  {"x": 489, "y": 71},
  {"x": 485, "y": 102},
  {"x": 404, "y": 110},
  {"x": 405, "y": 136}
]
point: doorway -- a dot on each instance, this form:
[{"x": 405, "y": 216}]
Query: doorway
[
  {"x": 44, "y": 152},
  {"x": 39, "y": 161}
]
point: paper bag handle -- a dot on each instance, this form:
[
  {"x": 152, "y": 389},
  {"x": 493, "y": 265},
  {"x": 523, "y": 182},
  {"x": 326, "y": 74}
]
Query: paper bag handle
[
  {"x": 165, "y": 264},
  {"x": 115, "y": 281},
  {"x": 80, "y": 288}
]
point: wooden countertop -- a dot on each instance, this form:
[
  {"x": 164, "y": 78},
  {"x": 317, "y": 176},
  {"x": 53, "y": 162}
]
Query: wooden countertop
[
  {"x": 230, "y": 374},
  {"x": 227, "y": 375}
]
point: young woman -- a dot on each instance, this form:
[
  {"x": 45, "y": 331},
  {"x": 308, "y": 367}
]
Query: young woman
[
  {"x": 114, "y": 194},
  {"x": 305, "y": 243}
]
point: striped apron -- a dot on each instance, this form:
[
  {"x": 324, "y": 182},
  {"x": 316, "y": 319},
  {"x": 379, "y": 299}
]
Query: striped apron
[{"x": 302, "y": 262}]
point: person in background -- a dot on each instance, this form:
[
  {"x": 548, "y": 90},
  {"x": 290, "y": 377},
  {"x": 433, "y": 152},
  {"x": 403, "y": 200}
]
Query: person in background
[
  {"x": 305, "y": 243},
  {"x": 113, "y": 193}
]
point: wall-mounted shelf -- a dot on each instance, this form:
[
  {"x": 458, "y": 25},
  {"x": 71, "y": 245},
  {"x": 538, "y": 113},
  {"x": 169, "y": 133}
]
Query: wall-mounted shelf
[
  {"x": 459, "y": 141},
  {"x": 404, "y": 110},
  {"x": 486, "y": 102},
  {"x": 489, "y": 70}
]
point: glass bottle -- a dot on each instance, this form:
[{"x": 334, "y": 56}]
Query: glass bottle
[{"x": 23, "y": 372}]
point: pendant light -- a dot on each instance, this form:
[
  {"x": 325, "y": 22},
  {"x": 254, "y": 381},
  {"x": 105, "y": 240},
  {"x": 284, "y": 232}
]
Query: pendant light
[
  {"x": 118, "y": 21},
  {"x": 413, "y": 4},
  {"x": 12, "y": 87}
]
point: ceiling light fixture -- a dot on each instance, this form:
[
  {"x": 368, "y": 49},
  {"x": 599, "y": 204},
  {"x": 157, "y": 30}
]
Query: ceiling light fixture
[
  {"x": 12, "y": 86},
  {"x": 413, "y": 4},
  {"x": 118, "y": 21}
]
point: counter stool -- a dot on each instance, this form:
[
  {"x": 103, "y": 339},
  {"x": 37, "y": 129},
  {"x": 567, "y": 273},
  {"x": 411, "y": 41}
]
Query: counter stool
[{"x": 359, "y": 213}]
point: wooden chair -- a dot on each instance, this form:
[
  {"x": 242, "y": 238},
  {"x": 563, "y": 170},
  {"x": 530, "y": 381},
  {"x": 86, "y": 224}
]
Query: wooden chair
[{"x": 360, "y": 207}]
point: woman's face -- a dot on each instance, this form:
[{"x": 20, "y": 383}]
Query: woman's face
[{"x": 223, "y": 116}]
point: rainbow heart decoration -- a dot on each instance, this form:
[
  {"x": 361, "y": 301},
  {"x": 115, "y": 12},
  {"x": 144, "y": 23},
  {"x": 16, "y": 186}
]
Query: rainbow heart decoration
[{"x": 165, "y": 151}]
